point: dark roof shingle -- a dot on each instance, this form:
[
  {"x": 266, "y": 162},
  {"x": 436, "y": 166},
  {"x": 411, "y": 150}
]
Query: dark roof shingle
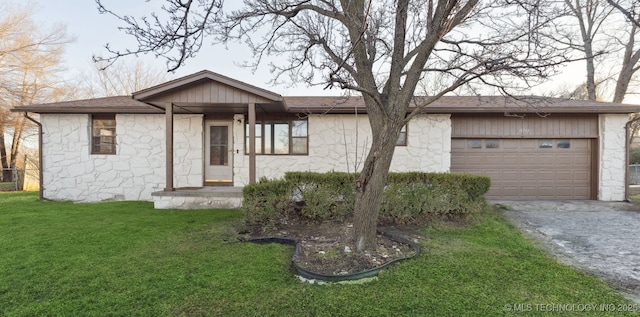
[{"x": 117, "y": 104}]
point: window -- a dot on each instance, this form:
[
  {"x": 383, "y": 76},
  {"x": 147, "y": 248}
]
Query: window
[
  {"x": 545, "y": 144},
  {"x": 402, "y": 138},
  {"x": 219, "y": 145},
  {"x": 103, "y": 134},
  {"x": 258, "y": 137},
  {"x": 280, "y": 137},
  {"x": 474, "y": 144},
  {"x": 492, "y": 144},
  {"x": 299, "y": 142},
  {"x": 564, "y": 144}
]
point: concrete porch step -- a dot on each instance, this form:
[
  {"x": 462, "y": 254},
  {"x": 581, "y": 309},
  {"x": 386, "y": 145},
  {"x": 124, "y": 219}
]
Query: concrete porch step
[{"x": 199, "y": 198}]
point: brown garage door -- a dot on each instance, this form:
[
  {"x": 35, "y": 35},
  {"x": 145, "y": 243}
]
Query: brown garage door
[{"x": 523, "y": 169}]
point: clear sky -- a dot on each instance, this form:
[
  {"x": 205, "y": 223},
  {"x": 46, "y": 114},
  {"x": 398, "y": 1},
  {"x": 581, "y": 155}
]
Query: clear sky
[{"x": 93, "y": 30}]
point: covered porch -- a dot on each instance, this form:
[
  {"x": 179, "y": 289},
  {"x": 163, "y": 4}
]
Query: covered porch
[{"x": 227, "y": 110}]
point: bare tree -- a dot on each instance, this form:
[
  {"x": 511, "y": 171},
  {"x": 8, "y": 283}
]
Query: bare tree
[
  {"x": 590, "y": 18},
  {"x": 28, "y": 61},
  {"x": 177, "y": 39},
  {"x": 123, "y": 78},
  {"x": 630, "y": 63},
  {"x": 380, "y": 50},
  {"x": 630, "y": 9},
  {"x": 580, "y": 92},
  {"x": 603, "y": 34}
]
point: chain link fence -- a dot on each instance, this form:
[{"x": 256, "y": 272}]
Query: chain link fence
[
  {"x": 634, "y": 174},
  {"x": 16, "y": 179},
  {"x": 10, "y": 179},
  {"x": 25, "y": 176}
]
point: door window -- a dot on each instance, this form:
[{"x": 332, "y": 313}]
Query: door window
[{"x": 218, "y": 145}]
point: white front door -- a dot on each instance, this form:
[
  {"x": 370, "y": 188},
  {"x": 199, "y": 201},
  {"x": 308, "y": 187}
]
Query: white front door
[{"x": 218, "y": 163}]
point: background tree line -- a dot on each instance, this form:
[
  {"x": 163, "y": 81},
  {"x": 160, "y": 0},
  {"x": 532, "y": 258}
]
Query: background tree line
[{"x": 31, "y": 64}]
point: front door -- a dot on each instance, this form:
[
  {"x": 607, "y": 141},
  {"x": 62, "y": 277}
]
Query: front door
[{"x": 218, "y": 165}]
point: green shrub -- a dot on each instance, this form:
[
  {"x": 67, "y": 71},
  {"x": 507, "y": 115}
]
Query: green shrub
[
  {"x": 474, "y": 185},
  {"x": 326, "y": 196},
  {"x": 318, "y": 197},
  {"x": 410, "y": 196},
  {"x": 266, "y": 202}
]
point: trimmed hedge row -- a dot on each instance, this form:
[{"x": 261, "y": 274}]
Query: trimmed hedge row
[{"x": 309, "y": 196}]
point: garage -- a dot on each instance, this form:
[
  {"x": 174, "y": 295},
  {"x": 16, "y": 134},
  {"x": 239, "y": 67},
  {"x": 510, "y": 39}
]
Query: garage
[{"x": 529, "y": 157}]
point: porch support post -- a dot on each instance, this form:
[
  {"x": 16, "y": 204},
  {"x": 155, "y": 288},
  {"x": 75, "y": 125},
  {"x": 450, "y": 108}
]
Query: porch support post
[
  {"x": 252, "y": 143},
  {"x": 169, "y": 148}
]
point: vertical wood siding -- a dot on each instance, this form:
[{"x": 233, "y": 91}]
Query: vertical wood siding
[
  {"x": 209, "y": 92},
  {"x": 530, "y": 126}
]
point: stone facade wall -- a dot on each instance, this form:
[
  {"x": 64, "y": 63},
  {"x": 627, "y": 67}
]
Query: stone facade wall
[
  {"x": 71, "y": 172},
  {"x": 428, "y": 145},
  {"x": 188, "y": 150},
  {"x": 336, "y": 143},
  {"x": 341, "y": 143},
  {"x": 612, "y": 172}
]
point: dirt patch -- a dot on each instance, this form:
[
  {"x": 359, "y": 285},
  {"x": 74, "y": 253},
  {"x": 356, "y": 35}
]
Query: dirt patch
[{"x": 328, "y": 249}]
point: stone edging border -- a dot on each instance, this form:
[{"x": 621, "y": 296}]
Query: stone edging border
[{"x": 307, "y": 274}]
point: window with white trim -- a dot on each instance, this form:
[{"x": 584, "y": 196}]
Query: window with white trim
[{"x": 402, "y": 138}]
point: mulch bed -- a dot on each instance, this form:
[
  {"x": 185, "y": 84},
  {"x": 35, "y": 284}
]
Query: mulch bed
[{"x": 328, "y": 249}]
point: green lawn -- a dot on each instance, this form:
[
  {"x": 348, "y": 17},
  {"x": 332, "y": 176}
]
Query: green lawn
[{"x": 127, "y": 259}]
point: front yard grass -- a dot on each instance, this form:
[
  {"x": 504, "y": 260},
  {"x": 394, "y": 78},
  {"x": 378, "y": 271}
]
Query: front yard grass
[{"x": 127, "y": 259}]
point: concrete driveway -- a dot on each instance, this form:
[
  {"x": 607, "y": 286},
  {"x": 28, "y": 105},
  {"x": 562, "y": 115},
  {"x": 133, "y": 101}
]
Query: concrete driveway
[{"x": 602, "y": 238}]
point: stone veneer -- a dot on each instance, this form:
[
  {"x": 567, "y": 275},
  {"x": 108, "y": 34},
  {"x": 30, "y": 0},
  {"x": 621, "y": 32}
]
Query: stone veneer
[
  {"x": 341, "y": 143},
  {"x": 336, "y": 143},
  {"x": 71, "y": 172},
  {"x": 612, "y": 171}
]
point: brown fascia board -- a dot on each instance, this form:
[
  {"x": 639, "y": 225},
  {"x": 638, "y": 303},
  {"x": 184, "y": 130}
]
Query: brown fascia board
[
  {"x": 334, "y": 104},
  {"x": 463, "y": 104},
  {"x": 205, "y": 74},
  {"x": 116, "y": 104}
]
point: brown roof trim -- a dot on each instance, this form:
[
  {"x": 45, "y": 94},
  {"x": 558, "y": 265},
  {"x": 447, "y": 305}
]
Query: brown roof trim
[
  {"x": 117, "y": 104},
  {"x": 205, "y": 74},
  {"x": 463, "y": 104},
  {"x": 333, "y": 104}
]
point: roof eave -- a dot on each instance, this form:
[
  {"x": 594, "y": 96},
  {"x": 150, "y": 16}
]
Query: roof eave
[
  {"x": 86, "y": 110},
  {"x": 467, "y": 110},
  {"x": 115, "y": 104},
  {"x": 205, "y": 74}
]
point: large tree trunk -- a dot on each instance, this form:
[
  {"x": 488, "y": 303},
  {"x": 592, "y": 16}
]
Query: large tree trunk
[
  {"x": 18, "y": 130},
  {"x": 4, "y": 162},
  {"x": 370, "y": 185},
  {"x": 591, "y": 72}
]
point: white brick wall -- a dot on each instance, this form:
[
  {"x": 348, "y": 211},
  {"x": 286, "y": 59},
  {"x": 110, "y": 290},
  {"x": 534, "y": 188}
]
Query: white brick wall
[
  {"x": 428, "y": 148},
  {"x": 71, "y": 172},
  {"x": 612, "y": 175},
  {"x": 428, "y": 145},
  {"x": 138, "y": 168}
]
